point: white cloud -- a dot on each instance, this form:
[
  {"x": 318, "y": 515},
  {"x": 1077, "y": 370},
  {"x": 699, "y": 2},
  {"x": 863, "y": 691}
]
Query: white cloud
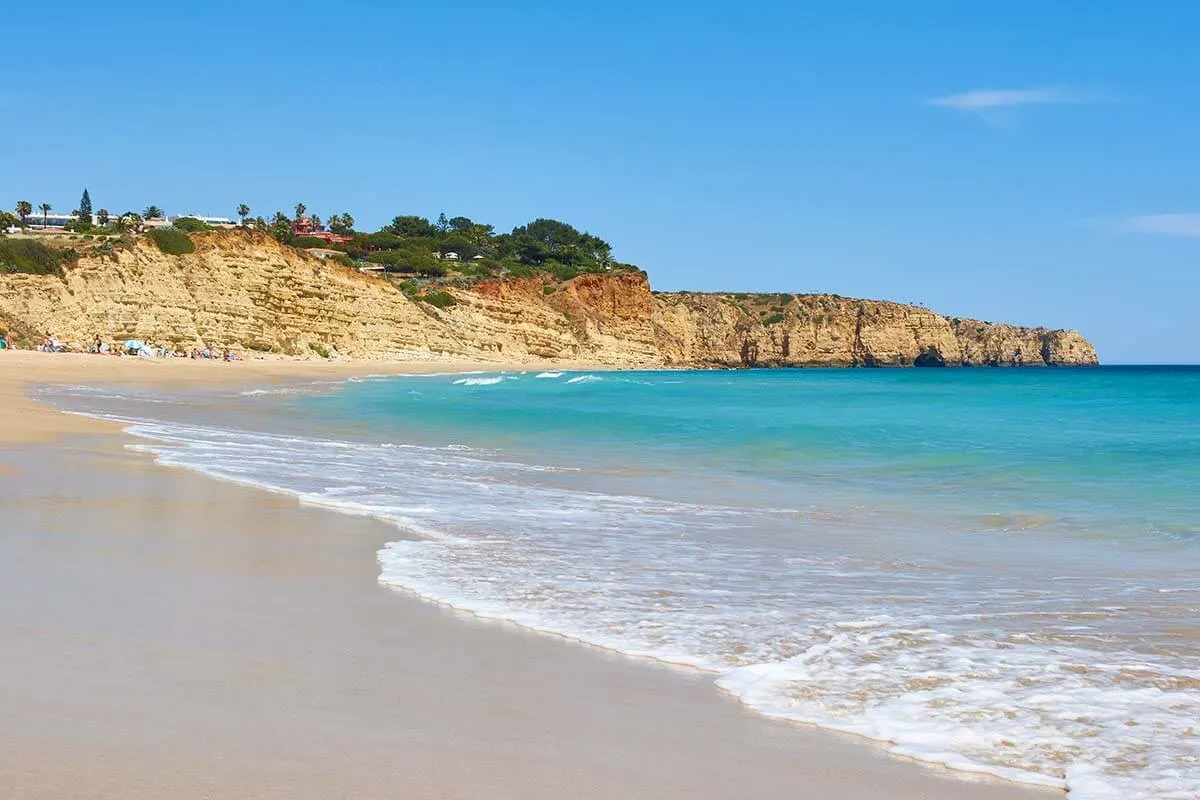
[
  {"x": 1164, "y": 225},
  {"x": 978, "y": 100}
]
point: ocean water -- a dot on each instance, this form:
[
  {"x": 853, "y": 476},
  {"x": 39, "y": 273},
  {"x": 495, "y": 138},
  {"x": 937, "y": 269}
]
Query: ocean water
[{"x": 994, "y": 570}]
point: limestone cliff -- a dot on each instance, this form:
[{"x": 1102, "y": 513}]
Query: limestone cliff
[
  {"x": 245, "y": 291},
  {"x": 828, "y": 330}
]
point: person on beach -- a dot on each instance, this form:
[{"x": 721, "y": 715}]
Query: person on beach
[{"x": 97, "y": 346}]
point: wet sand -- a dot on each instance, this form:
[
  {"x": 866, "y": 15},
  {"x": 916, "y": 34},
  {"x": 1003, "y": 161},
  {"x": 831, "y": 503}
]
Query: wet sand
[{"x": 165, "y": 635}]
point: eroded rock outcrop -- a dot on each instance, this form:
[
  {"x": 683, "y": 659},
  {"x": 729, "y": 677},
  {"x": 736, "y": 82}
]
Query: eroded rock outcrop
[
  {"x": 828, "y": 330},
  {"x": 245, "y": 291}
]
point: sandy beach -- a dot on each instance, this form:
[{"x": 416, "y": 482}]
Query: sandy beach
[{"x": 166, "y": 635}]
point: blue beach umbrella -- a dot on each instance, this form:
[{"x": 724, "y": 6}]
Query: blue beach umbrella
[{"x": 134, "y": 344}]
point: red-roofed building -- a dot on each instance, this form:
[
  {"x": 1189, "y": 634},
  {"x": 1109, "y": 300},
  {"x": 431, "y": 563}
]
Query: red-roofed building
[{"x": 305, "y": 227}]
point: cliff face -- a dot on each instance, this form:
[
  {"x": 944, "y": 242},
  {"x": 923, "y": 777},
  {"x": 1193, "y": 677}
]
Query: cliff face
[
  {"x": 827, "y": 330},
  {"x": 246, "y": 292}
]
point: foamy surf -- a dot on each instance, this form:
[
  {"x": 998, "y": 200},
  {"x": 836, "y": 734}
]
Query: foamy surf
[{"x": 490, "y": 381}]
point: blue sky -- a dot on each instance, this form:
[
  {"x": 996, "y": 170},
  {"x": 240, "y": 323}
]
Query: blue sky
[{"x": 1031, "y": 163}]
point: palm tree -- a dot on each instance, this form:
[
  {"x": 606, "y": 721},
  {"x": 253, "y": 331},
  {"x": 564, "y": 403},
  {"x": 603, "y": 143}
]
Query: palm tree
[
  {"x": 24, "y": 209},
  {"x": 46, "y": 209},
  {"x": 300, "y": 209},
  {"x": 102, "y": 216},
  {"x": 243, "y": 212},
  {"x": 347, "y": 221},
  {"x": 316, "y": 222},
  {"x": 152, "y": 212}
]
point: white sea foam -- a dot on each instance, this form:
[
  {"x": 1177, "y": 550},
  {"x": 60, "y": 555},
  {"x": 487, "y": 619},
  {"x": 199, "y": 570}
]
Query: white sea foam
[
  {"x": 392, "y": 376},
  {"x": 283, "y": 390},
  {"x": 585, "y": 379},
  {"x": 490, "y": 381},
  {"x": 549, "y": 375},
  {"x": 1026, "y": 680}
]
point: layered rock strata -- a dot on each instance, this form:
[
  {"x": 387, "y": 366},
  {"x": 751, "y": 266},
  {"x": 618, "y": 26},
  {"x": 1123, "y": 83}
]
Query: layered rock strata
[{"x": 246, "y": 292}]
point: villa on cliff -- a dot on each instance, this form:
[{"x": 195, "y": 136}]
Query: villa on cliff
[{"x": 304, "y": 226}]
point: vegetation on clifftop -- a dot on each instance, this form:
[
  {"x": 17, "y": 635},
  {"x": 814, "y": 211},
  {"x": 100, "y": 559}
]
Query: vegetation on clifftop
[
  {"x": 451, "y": 247},
  {"x": 172, "y": 241},
  {"x": 457, "y": 248},
  {"x": 33, "y": 258}
]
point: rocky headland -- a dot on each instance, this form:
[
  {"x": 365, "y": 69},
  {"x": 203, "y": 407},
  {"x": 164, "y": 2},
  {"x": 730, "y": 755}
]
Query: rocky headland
[{"x": 247, "y": 292}]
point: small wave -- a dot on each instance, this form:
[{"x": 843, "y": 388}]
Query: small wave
[
  {"x": 549, "y": 375},
  {"x": 585, "y": 379},
  {"x": 433, "y": 374},
  {"x": 479, "y": 381},
  {"x": 257, "y": 392}
]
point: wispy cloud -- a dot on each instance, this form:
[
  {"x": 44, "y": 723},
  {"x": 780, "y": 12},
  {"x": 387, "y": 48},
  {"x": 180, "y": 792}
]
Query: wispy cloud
[
  {"x": 985, "y": 99},
  {"x": 1187, "y": 225},
  {"x": 1000, "y": 106}
]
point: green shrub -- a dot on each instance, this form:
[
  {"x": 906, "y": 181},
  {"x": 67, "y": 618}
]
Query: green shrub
[
  {"x": 32, "y": 257},
  {"x": 389, "y": 258},
  {"x": 172, "y": 241},
  {"x": 430, "y": 269},
  {"x": 516, "y": 270},
  {"x": 774, "y": 319},
  {"x": 380, "y": 241},
  {"x": 437, "y": 299},
  {"x": 562, "y": 272},
  {"x": 408, "y": 261},
  {"x": 191, "y": 225},
  {"x": 549, "y": 289},
  {"x": 474, "y": 269},
  {"x": 310, "y": 241}
]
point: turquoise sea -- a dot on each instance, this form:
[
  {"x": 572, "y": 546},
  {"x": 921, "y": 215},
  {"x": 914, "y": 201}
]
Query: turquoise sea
[{"x": 996, "y": 570}]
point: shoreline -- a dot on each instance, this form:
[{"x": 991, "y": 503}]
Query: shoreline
[{"x": 493, "y": 676}]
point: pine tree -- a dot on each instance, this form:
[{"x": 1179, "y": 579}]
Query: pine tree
[{"x": 85, "y": 208}]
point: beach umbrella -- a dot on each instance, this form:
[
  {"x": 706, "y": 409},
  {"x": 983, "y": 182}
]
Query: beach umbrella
[{"x": 134, "y": 344}]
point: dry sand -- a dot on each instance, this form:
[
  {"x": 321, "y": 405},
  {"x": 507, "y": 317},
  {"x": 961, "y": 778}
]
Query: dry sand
[{"x": 164, "y": 635}]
